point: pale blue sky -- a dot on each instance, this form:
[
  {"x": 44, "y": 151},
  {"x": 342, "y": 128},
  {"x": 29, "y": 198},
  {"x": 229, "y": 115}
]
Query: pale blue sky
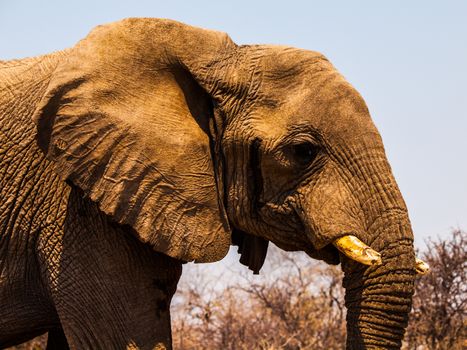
[{"x": 407, "y": 58}]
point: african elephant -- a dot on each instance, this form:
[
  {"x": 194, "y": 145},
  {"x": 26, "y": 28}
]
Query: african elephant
[{"x": 152, "y": 143}]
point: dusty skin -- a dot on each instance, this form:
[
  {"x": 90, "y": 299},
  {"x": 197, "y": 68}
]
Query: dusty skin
[{"x": 151, "y": 143}]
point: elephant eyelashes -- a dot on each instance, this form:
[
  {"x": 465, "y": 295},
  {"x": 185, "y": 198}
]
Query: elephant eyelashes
[{"x": 305, "y": 153}]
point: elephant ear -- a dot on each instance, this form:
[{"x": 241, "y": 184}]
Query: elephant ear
[{"x": 124, "y": 120}]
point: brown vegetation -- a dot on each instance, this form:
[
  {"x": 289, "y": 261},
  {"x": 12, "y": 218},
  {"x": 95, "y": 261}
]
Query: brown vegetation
[
  {"x": 297, "y": 303},
  {"x": 294, "y": 305},
  {"x": 438, "y": 319}
]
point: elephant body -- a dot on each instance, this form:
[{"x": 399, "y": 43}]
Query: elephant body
[
  {"x": 152, "y": 143},
  {"x": 49, "y": 278}
]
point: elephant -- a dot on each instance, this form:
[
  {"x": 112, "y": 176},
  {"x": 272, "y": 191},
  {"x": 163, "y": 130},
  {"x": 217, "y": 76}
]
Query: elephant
[{"x": 152, "y": 143}]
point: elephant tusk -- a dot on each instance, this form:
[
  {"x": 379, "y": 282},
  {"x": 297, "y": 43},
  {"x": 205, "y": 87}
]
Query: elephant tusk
[
  {"x": 356, "y": 250},
  {"x": 421, "y": 267}
]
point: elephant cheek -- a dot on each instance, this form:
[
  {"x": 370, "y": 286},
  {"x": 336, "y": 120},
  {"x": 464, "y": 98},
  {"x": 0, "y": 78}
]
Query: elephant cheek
[{"x": 328, "y": 210}]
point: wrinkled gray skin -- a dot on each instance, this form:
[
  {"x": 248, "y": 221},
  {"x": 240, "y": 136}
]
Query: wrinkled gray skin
[{"x": 151, "y": 143}]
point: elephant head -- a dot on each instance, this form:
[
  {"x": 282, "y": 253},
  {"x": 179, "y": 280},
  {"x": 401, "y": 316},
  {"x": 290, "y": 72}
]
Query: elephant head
[{"x": 195, "y": 142}]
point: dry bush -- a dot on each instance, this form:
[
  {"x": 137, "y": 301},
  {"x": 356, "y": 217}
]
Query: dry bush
[
  {"x": 438, "y": 320},
  {"x": 296, "y": 303}
]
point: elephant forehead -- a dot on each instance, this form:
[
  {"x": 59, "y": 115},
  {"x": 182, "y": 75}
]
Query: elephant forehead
[
  {"x": 282, "y": 62},
  {"x": 326, "y": 103}
]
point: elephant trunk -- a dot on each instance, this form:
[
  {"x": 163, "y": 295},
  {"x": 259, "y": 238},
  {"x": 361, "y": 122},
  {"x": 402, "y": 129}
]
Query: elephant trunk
[
  {"x": 368, "y": 205},
  {"x": 379, "y": 298}
]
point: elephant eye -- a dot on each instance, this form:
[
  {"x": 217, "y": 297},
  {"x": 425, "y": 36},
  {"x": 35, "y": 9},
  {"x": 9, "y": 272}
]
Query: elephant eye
[{"x": 305, "y": 153}]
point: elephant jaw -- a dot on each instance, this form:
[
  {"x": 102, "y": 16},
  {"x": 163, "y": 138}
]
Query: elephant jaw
[{"x": 356, "y": 250}]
